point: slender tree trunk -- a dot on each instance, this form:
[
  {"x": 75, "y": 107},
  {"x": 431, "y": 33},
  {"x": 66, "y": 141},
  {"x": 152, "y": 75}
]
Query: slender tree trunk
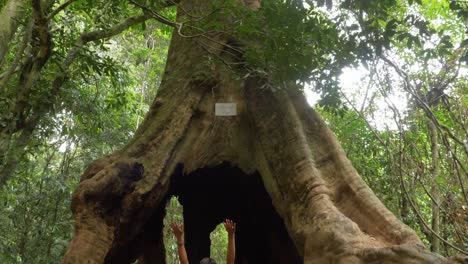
[
  {"x": 330, "y": 214},
  {"x": 435, "y": 242},
  {"x": 10, "y": 17},
  {"x": 11, "y": 150}
]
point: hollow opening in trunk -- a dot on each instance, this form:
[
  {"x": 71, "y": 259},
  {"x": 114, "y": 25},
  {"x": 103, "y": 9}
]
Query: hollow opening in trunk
[{"x": 210, "y": 195}]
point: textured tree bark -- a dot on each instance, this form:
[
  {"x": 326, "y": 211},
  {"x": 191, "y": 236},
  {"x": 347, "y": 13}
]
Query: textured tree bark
[
  {"x": 10, "y": 17},
  {"x": 327, "y": 211}
]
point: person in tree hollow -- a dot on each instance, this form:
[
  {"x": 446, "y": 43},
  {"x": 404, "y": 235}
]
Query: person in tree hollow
[{"x": 230, "y": 227}]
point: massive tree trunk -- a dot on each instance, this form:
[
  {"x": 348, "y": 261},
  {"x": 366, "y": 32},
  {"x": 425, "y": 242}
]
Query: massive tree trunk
[{"x": 275, "y": 168}]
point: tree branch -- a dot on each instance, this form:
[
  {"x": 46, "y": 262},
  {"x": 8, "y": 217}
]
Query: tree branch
[
  {"x": 101, "y": 34},
  {"x": 409, "y": 88},
  {"x": 60, "y": 8},
  {"x": 424, "y": 222},
  {"x": 156, "y": 15},
  {"x": 427, "y": 111},
  {"x": 112, "y": 31},
  {"x": 41, "y": 26},
  {"x": 180, "y": 25},
  {"x": 14, "y": 67},
  {"x": 425, "y": 226},
  {"x": 30, "y": 71}
]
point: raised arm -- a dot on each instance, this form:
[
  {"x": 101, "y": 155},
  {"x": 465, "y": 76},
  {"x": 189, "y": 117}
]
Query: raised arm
[
  {"x": 178, "y": 231},
  {"x": 230, "y": 227}
]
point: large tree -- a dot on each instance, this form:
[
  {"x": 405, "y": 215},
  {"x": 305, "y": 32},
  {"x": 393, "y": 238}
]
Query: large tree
[{"x": 274, "y": 167}]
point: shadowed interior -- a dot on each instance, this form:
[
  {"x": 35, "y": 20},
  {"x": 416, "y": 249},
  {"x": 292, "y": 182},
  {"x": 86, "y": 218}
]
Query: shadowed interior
[{"x": 210, "y": 195}]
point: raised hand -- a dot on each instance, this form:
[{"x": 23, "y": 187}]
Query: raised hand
[
  {"x": 178, "y": 231},
  {"x": 230, "y": 226}
]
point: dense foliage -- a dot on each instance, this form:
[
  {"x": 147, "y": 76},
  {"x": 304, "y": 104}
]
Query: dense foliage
[{"x": 77, "y": 77}]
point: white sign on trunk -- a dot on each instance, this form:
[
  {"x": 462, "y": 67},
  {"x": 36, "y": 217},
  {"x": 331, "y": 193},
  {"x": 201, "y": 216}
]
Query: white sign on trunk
[{"x": 225, "y": 109}]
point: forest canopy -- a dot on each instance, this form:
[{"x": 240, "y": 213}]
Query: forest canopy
[{"x": 389, "y": 77}]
